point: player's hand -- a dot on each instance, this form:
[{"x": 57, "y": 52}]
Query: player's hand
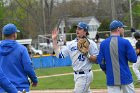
[
  {"x": 34, "y": 84},
  {"x": 55, "y": 34}
]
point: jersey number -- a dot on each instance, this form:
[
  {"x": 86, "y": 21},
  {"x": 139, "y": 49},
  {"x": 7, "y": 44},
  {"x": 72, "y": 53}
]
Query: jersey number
[{"x": 81, "y": 57}]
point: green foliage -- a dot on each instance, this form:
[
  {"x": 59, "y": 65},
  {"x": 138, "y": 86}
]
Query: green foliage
[
  {"x": 1, "y": 10},
  {"x": 27, "y": 14},
  {"x": 136, "y": 9},
  {"x": 73, "y": 29},
  {"x": 2, "y": 14},
  {"x": 19, "y": 12},
  {"x": 136, "y": 15},
  {"x": 104, "y": 25}
]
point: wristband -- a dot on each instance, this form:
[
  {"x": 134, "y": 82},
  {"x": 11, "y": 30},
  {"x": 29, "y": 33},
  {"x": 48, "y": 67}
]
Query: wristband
[{"x": 88, "y": 55}]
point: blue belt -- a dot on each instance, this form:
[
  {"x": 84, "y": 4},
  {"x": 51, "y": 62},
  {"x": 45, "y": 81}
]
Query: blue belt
[{"x": 81, "y": 72}]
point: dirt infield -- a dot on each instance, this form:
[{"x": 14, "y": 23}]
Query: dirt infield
[{"x": 137, "y": 90}]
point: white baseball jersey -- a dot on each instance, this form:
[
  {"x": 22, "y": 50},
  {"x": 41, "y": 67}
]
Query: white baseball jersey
[{"x": 79, "y": 61}]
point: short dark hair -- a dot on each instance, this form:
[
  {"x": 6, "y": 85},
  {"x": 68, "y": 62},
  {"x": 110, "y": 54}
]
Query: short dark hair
[
  {"x": 86, "y": 32},
  {"x": 114, "y": 30},
  {"x": 7, "y": 35},
  {"x": 137, "y": 35}
]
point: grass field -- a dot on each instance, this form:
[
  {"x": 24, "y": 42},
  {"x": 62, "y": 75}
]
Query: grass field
[{"x": 66, "y": 81}]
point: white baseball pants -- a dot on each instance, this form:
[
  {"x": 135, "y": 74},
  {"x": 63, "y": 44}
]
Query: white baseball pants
[
  {"x": 136, "y": 67},
  {"x": 82, "y": 82},
  {"x": 121, "y": 89}
]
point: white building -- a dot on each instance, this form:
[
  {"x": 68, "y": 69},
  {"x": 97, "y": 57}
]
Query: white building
[{"x": 91, "y": 21}]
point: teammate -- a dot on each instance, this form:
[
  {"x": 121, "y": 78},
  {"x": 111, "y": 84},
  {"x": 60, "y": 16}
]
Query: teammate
[
  {"x": 6, "y": 84},
  {"x": 15, "y": 61},
  {"x": 136, "y": 66},
  {"x": 114, "y": 54},
  {"x": 81, "y": 64}
]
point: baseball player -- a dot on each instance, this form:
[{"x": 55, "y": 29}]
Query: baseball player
[
  {"x": 81, "y": 63},
  {"x": 114, "y": 55},
  {"x": 136, "y": 65},
  {"x": 15, "y": 61}
]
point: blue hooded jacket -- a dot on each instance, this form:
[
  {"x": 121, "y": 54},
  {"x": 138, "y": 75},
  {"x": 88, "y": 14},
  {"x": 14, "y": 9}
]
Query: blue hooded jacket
[
  {"x": 16, "y": 64},
  {"x": 6, "y": 84}
]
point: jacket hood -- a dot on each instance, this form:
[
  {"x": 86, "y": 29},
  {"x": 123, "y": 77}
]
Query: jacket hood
[{"x": 7, "y": 46}]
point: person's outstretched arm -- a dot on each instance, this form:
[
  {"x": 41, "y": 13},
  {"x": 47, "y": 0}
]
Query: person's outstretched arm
[
  {"x": 54, "y": 39},
  {"x": 60, "y": 53}
]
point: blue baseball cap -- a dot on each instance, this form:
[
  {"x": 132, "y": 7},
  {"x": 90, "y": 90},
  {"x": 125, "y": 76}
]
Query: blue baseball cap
[
  {"x": 9, "y": 29},
  {"x": 83, "y": 25},
  {"x": 115, "y": 24}
]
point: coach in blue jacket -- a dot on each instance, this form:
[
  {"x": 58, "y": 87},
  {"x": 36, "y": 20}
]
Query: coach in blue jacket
[
  {"x": 15, "y": 60},
  {"x": 115, "y": 52}
]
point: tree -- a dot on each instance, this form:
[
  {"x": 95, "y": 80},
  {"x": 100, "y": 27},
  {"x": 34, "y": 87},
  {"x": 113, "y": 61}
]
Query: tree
[
  {"x": 136, "y": 15},
  {"x": 2, "y": 9},
  {"x": 48, "y": 14},
  {"x": 33, "y": 13}
]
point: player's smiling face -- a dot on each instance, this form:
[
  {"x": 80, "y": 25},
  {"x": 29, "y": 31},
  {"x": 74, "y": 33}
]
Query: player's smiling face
[{"x": 80, "y": 32}]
